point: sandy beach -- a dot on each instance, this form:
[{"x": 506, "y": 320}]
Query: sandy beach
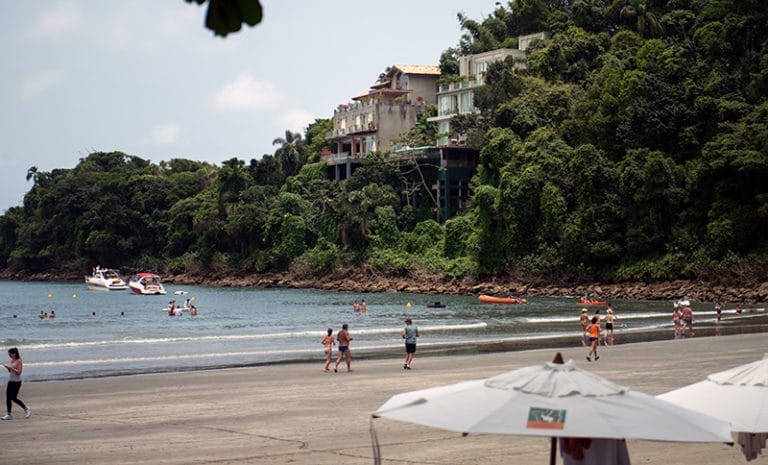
[{"x": 296, "y": 414}]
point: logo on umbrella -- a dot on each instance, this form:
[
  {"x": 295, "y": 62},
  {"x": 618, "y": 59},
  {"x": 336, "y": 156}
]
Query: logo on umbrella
[{"x": 545, "y": 418}]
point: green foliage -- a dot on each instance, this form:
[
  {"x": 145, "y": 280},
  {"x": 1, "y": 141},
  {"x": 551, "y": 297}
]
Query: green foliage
[
  {"x": 315, "y": 137},
  {"x": 423, "y": 133},
  {"x": 665, "y": 268},
  {"x": 633, "y": 147},
  {"x": 323, "y": 257}
]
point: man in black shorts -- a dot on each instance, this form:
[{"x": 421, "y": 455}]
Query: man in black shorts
[{"x": 410, "y": 333}]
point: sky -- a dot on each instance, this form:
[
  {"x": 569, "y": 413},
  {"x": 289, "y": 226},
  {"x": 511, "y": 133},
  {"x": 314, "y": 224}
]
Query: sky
[{"x": 145, "y": 77}]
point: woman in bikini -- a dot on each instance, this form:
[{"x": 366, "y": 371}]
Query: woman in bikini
[{"x": 328, "y": 343}]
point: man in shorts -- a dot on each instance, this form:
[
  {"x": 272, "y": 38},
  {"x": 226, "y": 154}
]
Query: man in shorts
[
  {"x": 344, "y": 339},
  {"x": 610, "y": 319},
  {"x": 410, "y": 333},
  {"x": 688, "y": 320}
]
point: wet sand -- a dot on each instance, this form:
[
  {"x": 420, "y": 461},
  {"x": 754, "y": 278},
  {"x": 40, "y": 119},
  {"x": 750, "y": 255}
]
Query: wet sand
[{"x": 296, "y": 414}]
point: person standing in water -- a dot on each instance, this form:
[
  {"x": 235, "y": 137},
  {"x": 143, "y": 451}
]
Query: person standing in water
[
  {"x": 610, "y": 320},
  {"x": 14, "y": 367},
  {"x": 328, "y": 342}
]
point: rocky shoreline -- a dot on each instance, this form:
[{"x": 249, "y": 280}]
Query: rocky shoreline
[{"x": 368, "y": 280}]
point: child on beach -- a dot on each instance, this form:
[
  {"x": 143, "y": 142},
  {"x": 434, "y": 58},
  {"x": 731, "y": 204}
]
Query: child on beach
[
  {"x": 328, "y": 342},
  {"x": 594, "y": 338}
]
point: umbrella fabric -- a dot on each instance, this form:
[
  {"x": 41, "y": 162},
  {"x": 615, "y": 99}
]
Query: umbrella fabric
[
  {"x": 738, "y": 395},
  {"x": 552, "y": 400}
]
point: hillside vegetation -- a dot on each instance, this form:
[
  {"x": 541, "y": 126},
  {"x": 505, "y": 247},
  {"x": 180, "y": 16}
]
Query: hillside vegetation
[{"x": 634, "y": 147}]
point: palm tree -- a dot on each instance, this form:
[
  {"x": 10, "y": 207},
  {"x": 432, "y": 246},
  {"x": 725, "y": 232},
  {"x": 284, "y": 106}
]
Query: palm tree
[
  {"x": 646, "y": 21},
  {"x": 32, "y": 174},
  {"x": 291, "y": 153}
]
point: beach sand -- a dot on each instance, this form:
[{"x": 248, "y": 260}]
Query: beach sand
[{"x": 296, "y": 414}]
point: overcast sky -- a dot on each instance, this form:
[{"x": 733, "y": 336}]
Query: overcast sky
[{"x": 145, "y": 77}]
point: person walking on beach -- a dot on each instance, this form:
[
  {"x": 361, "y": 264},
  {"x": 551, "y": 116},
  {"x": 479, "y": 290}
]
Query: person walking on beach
[
  {"x": 328, "y": 343},
  {"x": 410, "y": 333},
  {"x": 14, "y": 368},
  {"x": 584, "y": 320},
  {"x": 344, "y": 352},
  {"x": 594, "y": 338}
]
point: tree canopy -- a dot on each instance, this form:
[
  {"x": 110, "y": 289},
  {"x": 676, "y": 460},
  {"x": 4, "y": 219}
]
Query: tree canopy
[{"x": 634, "y": 146}]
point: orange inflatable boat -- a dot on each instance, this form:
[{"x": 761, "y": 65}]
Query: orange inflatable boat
[{"x": 489, "y": 299}]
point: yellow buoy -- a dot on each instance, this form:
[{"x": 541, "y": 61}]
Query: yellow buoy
[
  {"x": 193, "y": 299},
  {"x": 408, "y": 305},
  {"x": 74, "y": 296},
  {"x": 50, "y": 295}
]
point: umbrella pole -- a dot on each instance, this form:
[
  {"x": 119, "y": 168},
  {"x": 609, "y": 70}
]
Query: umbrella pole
[
  {"x": 553, "y": 441},
  {"x": 552, "y": 450}
]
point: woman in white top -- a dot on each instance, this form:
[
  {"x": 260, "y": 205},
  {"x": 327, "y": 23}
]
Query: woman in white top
[{"x": 14, "y": 368}]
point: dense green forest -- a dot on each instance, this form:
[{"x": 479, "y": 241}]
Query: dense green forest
[{"x": 634, "y": 147}]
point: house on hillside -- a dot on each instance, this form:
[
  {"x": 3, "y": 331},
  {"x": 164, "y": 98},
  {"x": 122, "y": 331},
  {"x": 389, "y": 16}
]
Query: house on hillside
[
  {"x": 457, "y": 97},
  {"x": 457, "y": 161},
  {"x": 373, "y": 120}
]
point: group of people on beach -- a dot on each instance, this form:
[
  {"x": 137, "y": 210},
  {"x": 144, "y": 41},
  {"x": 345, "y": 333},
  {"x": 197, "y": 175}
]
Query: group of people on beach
[
  {"x": 409, "y": 334},
  {"x": 344, "y": 351},
  {"x": 592, "y": 329},
  {"x": 682, "y": 319}
]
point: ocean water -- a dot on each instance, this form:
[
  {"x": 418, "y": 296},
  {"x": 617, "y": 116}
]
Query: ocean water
[{"x": 132, "y": 334}]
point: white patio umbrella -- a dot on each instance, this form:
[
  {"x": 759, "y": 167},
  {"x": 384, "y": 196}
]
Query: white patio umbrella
[
  {"x": 738, "y": 395},
  {"x": 552, "y": 400}
]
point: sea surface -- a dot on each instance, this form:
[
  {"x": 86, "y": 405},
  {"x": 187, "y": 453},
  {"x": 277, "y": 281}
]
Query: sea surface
[{"x": 110, "y": 333}]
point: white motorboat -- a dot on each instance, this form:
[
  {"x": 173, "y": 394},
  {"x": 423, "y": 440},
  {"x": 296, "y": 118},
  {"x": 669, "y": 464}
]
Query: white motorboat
[
  {"x": 105, "y": 279},
  {"x": 146, "y": 284}
]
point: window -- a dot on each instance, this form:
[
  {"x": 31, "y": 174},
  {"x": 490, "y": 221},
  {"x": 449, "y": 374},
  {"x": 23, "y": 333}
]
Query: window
[
  {"x": 480, "y": 70},
  {"x": 466, "y": 102}
]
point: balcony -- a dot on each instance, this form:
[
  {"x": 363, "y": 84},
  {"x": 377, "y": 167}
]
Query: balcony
[
  {"x": 455, "y": 86},
  {"x": 341, "y": 157}
]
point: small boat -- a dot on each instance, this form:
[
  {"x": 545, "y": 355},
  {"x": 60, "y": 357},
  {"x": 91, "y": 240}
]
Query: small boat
[
  {"x": 105, "y": 279},
  {"x": 146, "y": 284},
  {"x": 489, "y": 299},
  {"x": 591, "y": 302},
  {"x": 435, "y": 305}
]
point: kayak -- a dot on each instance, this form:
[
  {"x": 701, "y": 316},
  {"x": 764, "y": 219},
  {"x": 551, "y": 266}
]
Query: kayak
[
  {"x": 591, "y": 302},
  {"x": 489, "y": 299}
]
